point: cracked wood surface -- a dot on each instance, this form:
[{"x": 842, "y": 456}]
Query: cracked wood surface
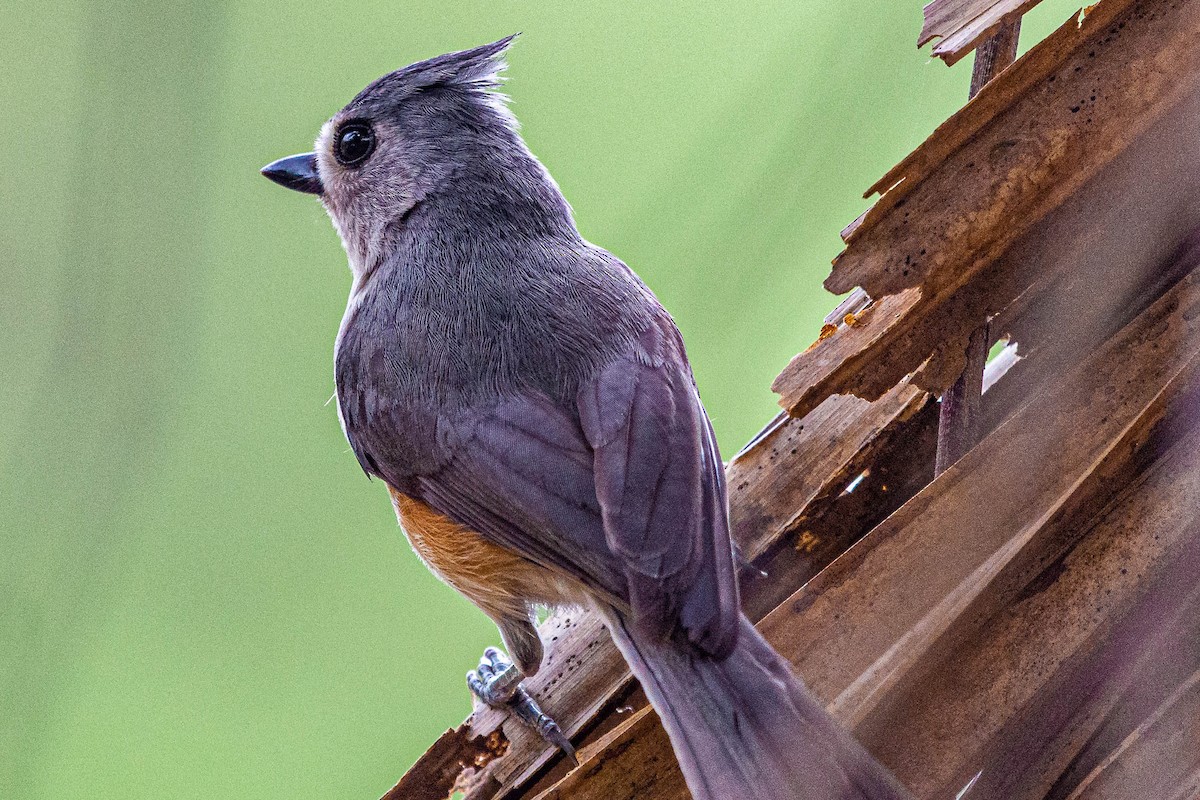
[
  {"x": 962, "y": 25},
  {"x": 936, "y": 249}
]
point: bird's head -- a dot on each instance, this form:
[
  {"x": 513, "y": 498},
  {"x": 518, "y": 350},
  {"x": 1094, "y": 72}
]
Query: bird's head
[{"x": 430, "y": 127}]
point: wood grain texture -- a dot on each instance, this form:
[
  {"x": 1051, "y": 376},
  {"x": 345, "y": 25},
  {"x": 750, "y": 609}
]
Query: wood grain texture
[
  {"x": 962, "y": 25},
  {"x": 939, "y": 256},
  {"x": 1162, "y": 753}
]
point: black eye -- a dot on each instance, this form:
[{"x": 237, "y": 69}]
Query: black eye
[{"x": 355, "y": 141}]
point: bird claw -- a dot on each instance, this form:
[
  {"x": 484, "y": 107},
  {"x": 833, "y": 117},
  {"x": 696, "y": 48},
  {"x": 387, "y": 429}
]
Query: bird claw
[
  {"x": 496, "y": 679},
  {"x": 497, "y": 682}
]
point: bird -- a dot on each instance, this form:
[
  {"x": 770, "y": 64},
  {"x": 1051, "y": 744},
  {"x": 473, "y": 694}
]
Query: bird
[{"x": 529, "y": 404}]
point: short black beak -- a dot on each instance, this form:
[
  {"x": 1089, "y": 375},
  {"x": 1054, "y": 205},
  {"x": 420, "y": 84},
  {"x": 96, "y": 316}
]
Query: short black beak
[{"x": 296, "y": 172}]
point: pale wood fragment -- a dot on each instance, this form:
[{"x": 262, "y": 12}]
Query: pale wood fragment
[{"x": 963, "y": 24}]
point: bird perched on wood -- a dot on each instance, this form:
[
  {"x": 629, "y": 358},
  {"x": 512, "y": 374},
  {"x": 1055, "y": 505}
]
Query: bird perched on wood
[{"x": 529, "y": 405}]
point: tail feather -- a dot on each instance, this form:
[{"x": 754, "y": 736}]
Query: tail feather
[{"x": 746, "y": 727}]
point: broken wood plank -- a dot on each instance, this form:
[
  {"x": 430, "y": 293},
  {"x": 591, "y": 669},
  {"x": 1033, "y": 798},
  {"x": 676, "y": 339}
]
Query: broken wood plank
[
  {"x": 963, "y": 24},
  {"x": 956, "y": 254},
  {"x": 896, "y": 467},
  {"x": 1029, "y": 73},
  {"x": 841, "y": 438},
  {"x": 440, "y": 771},
  {"x": 899, "y": 582},
  {"x": 995, "y": 54}
]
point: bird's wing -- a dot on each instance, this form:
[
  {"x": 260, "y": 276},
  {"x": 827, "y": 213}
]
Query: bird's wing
[
  {"x": 521, "y": 475},
  {"x": 624, "y": 492},
  {"x": 661, "y": 488}
]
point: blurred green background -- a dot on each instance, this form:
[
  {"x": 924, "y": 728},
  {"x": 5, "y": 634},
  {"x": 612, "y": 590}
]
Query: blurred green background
[{"x": 201, "y": 594}]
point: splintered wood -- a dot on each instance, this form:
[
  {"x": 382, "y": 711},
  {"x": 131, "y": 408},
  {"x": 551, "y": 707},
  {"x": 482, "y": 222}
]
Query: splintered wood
[
  {"x": 1024, "y": 147},
  {"x": 962, "y": 24},
  {"x": 1027, "y": 623}
]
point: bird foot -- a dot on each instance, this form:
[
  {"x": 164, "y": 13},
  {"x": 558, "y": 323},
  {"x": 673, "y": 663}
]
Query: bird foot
[{"x": 497, "y": 682}]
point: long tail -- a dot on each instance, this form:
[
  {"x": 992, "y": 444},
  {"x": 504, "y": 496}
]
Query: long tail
[{"x": 746, "y": 728}]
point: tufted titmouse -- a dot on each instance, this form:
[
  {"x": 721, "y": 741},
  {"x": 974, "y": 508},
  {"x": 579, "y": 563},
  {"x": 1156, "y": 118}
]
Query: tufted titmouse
[{"x": 529, "y": 404}]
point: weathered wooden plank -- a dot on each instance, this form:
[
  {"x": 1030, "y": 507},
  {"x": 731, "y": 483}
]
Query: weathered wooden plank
[
  {"x": 1017, "y": 697},
  {"x": 963, "y": 24},
  {"x": 1163, "y": 666},
  {"x": 840, "y": 438},
  {"x": 895, "y": 469},
  {"x": 1025, "y": 75},
  {"x": 1097, "y": 290},
  {"x": 904, "y": 584},
  {"x": 1161, "y": 754},
  {"x": 447, "y": 765},
  {"x": 636, "y": 761},
  {"x": 949, "y": 234}
]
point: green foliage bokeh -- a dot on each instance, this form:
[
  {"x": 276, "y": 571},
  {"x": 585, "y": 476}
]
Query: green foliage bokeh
[{"x": 200, "y": 593}]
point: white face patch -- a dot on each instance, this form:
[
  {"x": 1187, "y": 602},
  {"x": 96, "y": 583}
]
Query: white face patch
[{"x": 329, "y": 173}]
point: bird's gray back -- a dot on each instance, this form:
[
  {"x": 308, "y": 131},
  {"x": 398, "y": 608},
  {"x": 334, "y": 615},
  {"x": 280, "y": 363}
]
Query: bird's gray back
[{"x": 459, "y": 318}]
